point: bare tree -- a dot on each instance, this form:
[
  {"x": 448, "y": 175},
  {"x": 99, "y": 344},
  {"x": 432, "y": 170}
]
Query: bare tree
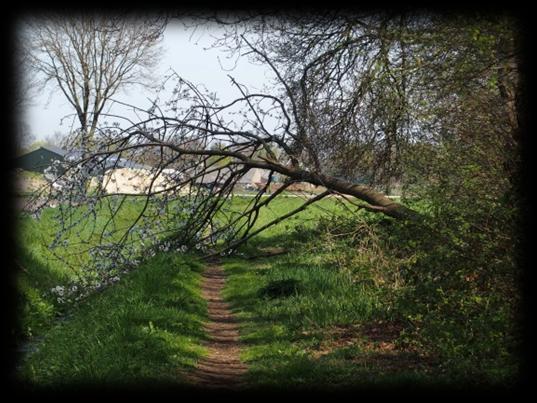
[
  {"x": 24, "y": 94},
  {"x": 350, "y": 97},
  {"x": 89, "y": 58}
]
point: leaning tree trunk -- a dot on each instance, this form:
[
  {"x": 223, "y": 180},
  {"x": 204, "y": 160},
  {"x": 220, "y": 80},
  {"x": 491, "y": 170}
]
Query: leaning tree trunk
[{"x": 376, "y": 200}]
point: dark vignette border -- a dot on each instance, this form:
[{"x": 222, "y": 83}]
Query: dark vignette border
[{"x": 8, "y": 146}]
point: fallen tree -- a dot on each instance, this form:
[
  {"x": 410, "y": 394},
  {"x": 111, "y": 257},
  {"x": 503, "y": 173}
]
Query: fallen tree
[{"x": 350, "y": 96}]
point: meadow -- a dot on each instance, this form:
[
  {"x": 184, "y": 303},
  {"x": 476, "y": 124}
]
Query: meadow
[{"x": 349, "y": 299}]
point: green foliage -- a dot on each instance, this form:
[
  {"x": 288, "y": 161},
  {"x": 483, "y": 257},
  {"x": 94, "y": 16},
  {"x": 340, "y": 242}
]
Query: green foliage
[
  {"x": 147, "y": 327},
  {"x": 461, "y": 293},
  {"x": 280, "y": 332},
  {"x": 452, "y": 286}
]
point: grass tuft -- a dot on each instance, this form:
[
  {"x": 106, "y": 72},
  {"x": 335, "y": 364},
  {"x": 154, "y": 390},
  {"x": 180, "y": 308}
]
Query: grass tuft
[{"x": 147, "y": 327}]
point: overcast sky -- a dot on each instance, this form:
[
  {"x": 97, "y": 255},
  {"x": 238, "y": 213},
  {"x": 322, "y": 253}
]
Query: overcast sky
[{"x": 184, "y": 52}]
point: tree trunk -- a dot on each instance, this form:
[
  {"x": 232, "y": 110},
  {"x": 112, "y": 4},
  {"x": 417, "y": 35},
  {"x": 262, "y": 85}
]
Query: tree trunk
[{"x": 377, "y": 201}]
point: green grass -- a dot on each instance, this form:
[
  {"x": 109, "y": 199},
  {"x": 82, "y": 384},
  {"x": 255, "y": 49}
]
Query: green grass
[
  {"x": 303, "y": 316},
  {"x": 291, "y": 308},
  {"x": 147, "y": 327},
  {"x": 291, "y": 228},
  {"x": 44, "y": 268},
  {"x": 289, "y": 336},
  {"x": 42, "y": 271},
  {"x": 282, "y": 334}
]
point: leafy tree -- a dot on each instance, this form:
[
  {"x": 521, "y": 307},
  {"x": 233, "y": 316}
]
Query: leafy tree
[{"x": 353, "y": 96}]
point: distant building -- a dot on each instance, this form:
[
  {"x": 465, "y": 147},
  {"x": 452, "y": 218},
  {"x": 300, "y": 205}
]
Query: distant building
[
  {"x": 40, "y": 159},
  {"x": 140, "y": 181},
  {"x": 43, "y": 157},
  {"x": 254, "y": 178}
]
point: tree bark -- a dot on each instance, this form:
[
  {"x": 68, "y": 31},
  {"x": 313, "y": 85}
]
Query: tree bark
[{"x": 377, "y": 201}]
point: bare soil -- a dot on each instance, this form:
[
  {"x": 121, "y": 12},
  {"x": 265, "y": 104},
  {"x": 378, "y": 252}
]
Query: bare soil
[
  {"x": 222, "y": 368},
  {"x": 380, "y": 349}
]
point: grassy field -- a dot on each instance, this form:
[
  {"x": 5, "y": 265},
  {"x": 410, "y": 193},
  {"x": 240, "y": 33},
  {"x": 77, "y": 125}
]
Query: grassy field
[
  {"x": 332, "y": 312},
  {"x": 306, "y": 323},
  {"x": 147, "y": 328},
  {"x": 341, "y": 309},
  {"x": 42, "y": 317},
  {"x": 306, "y": 326},
  {"x": 43, "y": 268}
]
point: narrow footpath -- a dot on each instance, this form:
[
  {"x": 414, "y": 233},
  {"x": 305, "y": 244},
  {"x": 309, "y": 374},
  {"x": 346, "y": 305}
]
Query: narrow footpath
[{"x": 222, "y": 368}]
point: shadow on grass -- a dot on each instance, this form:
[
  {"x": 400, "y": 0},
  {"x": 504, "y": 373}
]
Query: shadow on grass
[
  {"x": 284, "y": 239},
  {"x": 282, "y": 333},
  {"x": 148, "y": 327},
  {"x": 35, "y": 308}
]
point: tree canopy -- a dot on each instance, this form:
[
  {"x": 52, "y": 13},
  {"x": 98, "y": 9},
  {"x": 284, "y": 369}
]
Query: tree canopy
[{"x": 356, "y": 103}]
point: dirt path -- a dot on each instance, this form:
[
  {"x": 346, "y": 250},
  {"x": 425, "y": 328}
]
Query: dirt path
[{"x": 222, "y": 367}]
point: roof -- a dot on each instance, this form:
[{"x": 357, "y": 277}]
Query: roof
[
  {"x": 39, "y": 159},
  {"x": 46, "y": 147},
  {"x": 112, "y": 161},
  {"x": 54, "y": 149}
]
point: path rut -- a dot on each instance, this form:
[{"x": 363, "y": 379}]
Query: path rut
[{"x": 222, "y": 367}]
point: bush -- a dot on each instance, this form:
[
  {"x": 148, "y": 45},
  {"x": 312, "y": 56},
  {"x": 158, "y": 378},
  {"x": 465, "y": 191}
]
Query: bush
[{"x": 454, "y": 287}]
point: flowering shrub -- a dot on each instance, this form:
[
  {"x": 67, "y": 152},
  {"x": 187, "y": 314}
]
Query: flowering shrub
[
  {"x": 91, "y": 240},
  {"x": 76, "y": 291}
]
